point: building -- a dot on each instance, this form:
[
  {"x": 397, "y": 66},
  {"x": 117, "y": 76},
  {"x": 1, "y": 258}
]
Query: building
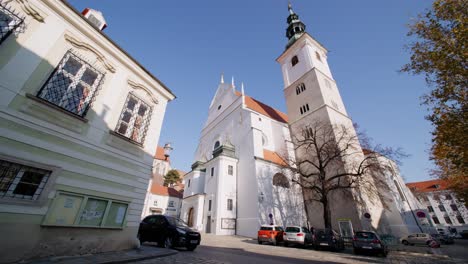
[
  {"x": 445, "y": 209},
  {"x": 238, "y": 182},
  {"x": 163, "y": 200},
  {"x": 75, "y": 112}
]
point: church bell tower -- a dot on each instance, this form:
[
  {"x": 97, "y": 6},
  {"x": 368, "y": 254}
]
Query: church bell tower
[{"x": 312, "y": 97}]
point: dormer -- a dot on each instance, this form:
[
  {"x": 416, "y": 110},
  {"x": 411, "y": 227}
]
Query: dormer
[{"x": 95, "y": 18}]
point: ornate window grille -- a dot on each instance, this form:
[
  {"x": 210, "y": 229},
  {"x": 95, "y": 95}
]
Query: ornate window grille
[
  {"x": 20, "y": 181},
  {"x": 73, "y": 85},
  {"x": 134, "y": 119},
  {"x": 9, "y": 22}
]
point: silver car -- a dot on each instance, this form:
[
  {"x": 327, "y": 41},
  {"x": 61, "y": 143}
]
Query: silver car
[
  {"x": 297, "y": 235},
  {"x": 417, "y": 238}
]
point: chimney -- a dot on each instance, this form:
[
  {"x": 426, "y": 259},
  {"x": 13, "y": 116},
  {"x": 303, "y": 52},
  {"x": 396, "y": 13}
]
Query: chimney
[{"x": 95, "y": 18}]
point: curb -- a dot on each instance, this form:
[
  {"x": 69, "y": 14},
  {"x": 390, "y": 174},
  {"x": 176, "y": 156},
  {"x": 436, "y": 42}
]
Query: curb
[{"x": 139, "y": 259}]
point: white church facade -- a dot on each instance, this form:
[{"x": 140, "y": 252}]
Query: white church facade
[{"x": 237, "y": 182}]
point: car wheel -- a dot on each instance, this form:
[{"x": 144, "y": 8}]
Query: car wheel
[
  {"x": 384, "y": 253},
  {"x": 191, "y": 248},
  {"x": 140, "y": 238},
  {"x": 356, "y": 251},
  {"x": 405, "y": 242},
  {"x": 259, "y": 242},
  {"x": 275, "y": 242},
  {"x": 168, "y": 242},
  {"x": 286, "y": 244}
]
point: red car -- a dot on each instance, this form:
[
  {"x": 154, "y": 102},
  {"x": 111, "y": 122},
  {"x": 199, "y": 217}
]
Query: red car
[{"x": 270, "y": 233}]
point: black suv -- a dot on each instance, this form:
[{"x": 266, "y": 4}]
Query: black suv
[
  {"x": 327, "y": 238},
  {"x": 168, "y": 232}
]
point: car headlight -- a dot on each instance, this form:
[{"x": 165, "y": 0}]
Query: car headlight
[{"x": 183, "y": 232}]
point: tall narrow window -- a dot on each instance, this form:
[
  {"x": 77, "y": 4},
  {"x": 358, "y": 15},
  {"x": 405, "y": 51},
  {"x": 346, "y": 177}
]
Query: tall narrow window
[
  {"x": 317, "y": 55},
  {"x": 134, "y": 119},
  {"x": 442, "y": 208},
  {"x": 430, "y": 209},
  {"x": 188, "y": 183},
  {"x": 212, "y": 172},
  {"x": 460, "y": 219},
  {"x": 448, "y": 197},
  {"x": 294, "y": 61},
  {"x": 72, "y": 85},
  {"x": 448, "y": 220},
  {"x": 230, "y": 170},
  {"x": 307, "y": 107},
  {"x": 436, "y": 220},
  {"x": 209, "y": 205},
  {"x": 454, "y": 207},
  {"x": 8, "y": 22},
  {"x": 229, "y": 204},
  {"x": 301, "y": 110},
  {"x": 21, "y": 182}
]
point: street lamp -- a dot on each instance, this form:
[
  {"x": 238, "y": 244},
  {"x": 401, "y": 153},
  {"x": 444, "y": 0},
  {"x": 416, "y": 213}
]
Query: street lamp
[{"x": 167, "y": 150}]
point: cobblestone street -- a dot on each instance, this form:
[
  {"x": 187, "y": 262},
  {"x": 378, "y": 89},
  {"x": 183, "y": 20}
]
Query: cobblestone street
[{"x": 226, "y": 249}]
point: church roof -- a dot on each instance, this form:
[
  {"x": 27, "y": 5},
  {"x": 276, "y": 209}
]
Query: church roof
[
  {"x": 160, "y": 154},
  {"x": 165, "y": 191},
  {"x": 264, "y": 109},
  {"x": 428, "y": 186},
  {"x": 273, "y": 157}
]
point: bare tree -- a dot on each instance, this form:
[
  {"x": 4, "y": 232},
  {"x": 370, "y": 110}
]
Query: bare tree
[{"x": 331, "y": 158}]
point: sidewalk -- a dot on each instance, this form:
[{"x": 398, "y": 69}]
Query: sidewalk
[{"x": 131, "y": 255}]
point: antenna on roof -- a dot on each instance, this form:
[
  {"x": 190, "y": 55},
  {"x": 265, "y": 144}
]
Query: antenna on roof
[
  {"x": 222, "y": 77},
  {"x": 242, "y": 88},
  {"x": 232, "y": 82}
]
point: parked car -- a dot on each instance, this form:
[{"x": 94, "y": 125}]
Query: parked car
[
  {"x": 418, "y": 238},
  {"x": 270, "y": 233},
  {"x": 168, "y": 232},
  {"x": 297, "y": 235},
  {"x": 328, "y": 238},
  {"x": 443, "y": 239},
  {"x": 464, "y": 234},
  {"x": 368, "y": 241}
]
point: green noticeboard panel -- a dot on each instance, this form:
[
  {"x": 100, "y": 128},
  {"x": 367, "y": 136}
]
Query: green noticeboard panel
[
  {"x": 116, "y": 215},
  {"x": 93, "y": 212},
  {"x": 65, "y": 210}
]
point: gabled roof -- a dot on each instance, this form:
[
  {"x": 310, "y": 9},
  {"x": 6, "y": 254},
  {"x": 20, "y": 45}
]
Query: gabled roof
[
  {"x": 428, "y": 186},
  {"x": 160, "y": 154},
  {"x": 264, "y": 109},
  {"x": 273, "y": 157},
  {"x": 165, "y": 191}
]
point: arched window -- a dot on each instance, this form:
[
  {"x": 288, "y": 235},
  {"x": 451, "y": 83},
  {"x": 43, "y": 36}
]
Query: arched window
[
  {"x": 280, "y": 180},
  {"x": 318, "y": 56},
  {"x": 216, "y": 145},
  {"x": 294, "y": 61}
]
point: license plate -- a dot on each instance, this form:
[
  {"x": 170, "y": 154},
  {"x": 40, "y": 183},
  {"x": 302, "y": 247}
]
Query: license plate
[
  {"x": 292, "y": 239},
  {"x": 193, "y": 241},
  {"x": 324, "y": 244},
  {"x": 367, "y": 247},
  {"x": 264, "y": 236}
]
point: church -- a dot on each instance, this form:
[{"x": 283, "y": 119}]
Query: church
[{"x": 238, "y": 181}]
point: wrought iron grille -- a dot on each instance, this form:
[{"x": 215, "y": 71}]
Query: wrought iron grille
[
  {"x": 9, "y": 21},
  {"x": 73, "y": 85},
  {"x": 134, "y": 119},
  {"x": 20, "y": 181}
]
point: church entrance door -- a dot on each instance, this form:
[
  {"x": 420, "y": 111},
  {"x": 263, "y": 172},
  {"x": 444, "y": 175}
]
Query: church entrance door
[
  {"x": 190, "y": 217},
  {"x": 208, "y": 224}
]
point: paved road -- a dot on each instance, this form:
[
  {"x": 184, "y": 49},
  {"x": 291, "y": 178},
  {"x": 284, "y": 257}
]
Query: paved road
[{"x": 227, "y": 249}]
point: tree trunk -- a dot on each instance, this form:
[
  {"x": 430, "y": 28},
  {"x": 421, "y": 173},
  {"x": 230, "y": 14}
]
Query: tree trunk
[{"x": 326, "y": 213}]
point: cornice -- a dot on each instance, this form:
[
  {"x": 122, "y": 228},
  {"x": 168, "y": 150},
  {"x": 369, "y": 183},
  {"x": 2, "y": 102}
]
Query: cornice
[
  {"x": 31, "y": 10},
  {"x": 138, "y": 86},
  {"x": 85, "y": 46}
]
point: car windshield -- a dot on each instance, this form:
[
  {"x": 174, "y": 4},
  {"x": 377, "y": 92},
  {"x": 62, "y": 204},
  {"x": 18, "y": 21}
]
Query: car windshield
[
  {"x": 293, "y": 229},
  {"x": 176, "y": 222},
  {"x": 266, "y": 228},
  {"x": 365, "y": 235}
]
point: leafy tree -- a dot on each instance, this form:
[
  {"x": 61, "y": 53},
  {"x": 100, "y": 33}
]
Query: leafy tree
[
  {"x": 171, "y": 177},
  {"x": 440, "y": 53},
  {"x": 330, "y": 159}
]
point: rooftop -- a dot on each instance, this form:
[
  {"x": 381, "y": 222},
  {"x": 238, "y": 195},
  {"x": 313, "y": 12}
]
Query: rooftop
[
  {"x": 264, "y": 109},
  {"x": 165, "y": 191},
  {"x": 428, "y": 186}
]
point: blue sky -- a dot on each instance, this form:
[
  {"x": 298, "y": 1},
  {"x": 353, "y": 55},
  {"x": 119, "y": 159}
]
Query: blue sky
[{"x": 187, "y": 44}]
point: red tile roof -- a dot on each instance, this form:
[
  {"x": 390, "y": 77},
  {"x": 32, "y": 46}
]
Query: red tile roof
[
  {"x": 264, "y": 109},
  {"x": 273, "y": 157},
  {"x": 428, "y": 186},
  {"x": 160, "y": 154},
  {"x": 165, "y": 191}
]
